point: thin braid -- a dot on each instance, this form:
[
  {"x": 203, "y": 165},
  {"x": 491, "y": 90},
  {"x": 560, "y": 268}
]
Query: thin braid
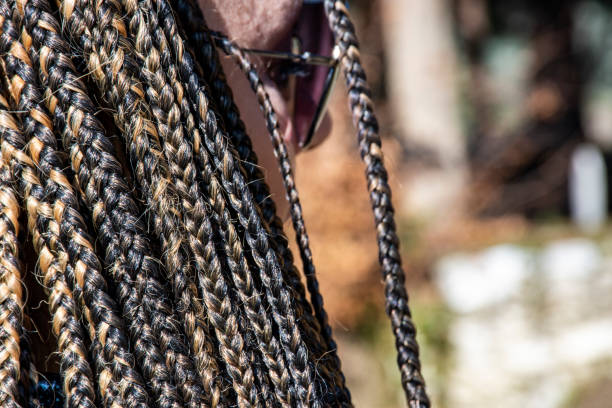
[
  {"x": 153, "y": 179},
  {"x": 149, "y": 156},
  {"x": 236, "y": 261},
  {"x": 78, "y": 381},
  {"x": 282, "y": 156},
  {"x": 11, "y": 299},
  {"x": 102, "y": 314},
  {"x": 202, "y": 44},
  {"x": 184, "y": 176},
  {"x": 177, "y": 235},
  {"x": 71, "y": 235},
  {"x": 139, "y": 327},
  {"x": 102, "y": 187},
  {"x": 364, "y": 118},
  {"x": 45, "y": 229},
  {"x": 256, "y": 234},
  {"x": 118, "y": 220}
]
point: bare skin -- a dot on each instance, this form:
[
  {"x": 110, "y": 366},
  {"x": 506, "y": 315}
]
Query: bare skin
[{"x": 267, "y": 25}]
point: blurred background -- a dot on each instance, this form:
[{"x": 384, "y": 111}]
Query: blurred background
[{"x": 497, "y": 131}]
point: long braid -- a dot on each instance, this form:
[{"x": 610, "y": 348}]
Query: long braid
[
  {"x": 380, "y": 195},
  {"x": 180, "y": 159},
  {"x": 11, "y": 299},
  {"x": 225, "y": 320},
  {"x": 78, "y": 381},
  {"x": 167, "y": 223},
  {"x": 185, "y": 176},
  {"x": 45, "y": 229},
  {"x": 44, "y": 30},
  {"x": 237, "y": 262},
  {"x": 202, "y": 44},
  {"x": 218, "y": 302},
  {"x": 282, "y": 155},
  {"x": 242, "y": 368},
  {"x": 256, "y": 234},
  {"x": 71, "y": 237},
  {"x": 132, "y": 116}
]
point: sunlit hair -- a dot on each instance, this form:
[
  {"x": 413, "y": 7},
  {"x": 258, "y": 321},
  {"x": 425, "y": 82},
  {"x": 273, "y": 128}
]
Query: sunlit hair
[{"x": 169, "y": 278}]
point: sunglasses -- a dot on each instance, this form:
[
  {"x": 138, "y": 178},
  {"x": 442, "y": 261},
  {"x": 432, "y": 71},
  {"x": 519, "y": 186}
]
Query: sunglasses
[{"x": 297, "y": 69}]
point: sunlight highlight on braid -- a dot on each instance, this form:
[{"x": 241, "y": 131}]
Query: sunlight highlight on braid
[
  {"x": 237, "y": 261},
  {"x": 168, "y": 225},
  {"x": 256, "y": 232},
  {"x": 151, "y": 324},
  {"x": 202, "y": 43}
]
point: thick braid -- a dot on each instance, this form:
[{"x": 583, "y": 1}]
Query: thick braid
[
  {"x": 237, "y": 262},
  {"x": 256, "y": 233},
  {"x": 52, "y": 260},
  {"x": 268, "y": 344},
  {"x": 144, "y": 344},
  {"x": 120, "y": 226},
  {"x": 71, "y": 234},
  {"x": 45, "y": 229},
  {"x": 202, "y": 44},
  {"x": 380, "y": 194},
  {"x": 11, "y": 299},
  {"x": 282, "y": 156},
  {"x": 102, "y": 313},
  {"x": 158, "y": 74},
  {"x": 132, "y": 117}
]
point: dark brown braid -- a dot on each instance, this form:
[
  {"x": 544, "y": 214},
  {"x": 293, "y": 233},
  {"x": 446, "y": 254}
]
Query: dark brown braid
[
  {"x": 142, "y": 139},
  {"x": 44, "y": 30},
  {"x": 236, "y": 261},
  {"x": 71, "y": 237},
  {"x": 122, "y": 216},
  {"x": 203, "y": 47},
  {"x": 365, "y": 121},
  {"x": 256, "y": 232},
  {"x": 168, "y": 224},
  {"x": 282, "y": 155}
]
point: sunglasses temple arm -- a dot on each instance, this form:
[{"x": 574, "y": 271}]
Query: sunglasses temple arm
[{"x": 305, "y": 58}]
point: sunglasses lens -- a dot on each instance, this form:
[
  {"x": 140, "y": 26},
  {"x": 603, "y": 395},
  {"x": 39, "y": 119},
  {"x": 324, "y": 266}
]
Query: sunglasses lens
[{"x": 312, "y": 91}]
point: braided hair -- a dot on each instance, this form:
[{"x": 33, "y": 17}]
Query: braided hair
[{"x": 167, "y": 271}]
